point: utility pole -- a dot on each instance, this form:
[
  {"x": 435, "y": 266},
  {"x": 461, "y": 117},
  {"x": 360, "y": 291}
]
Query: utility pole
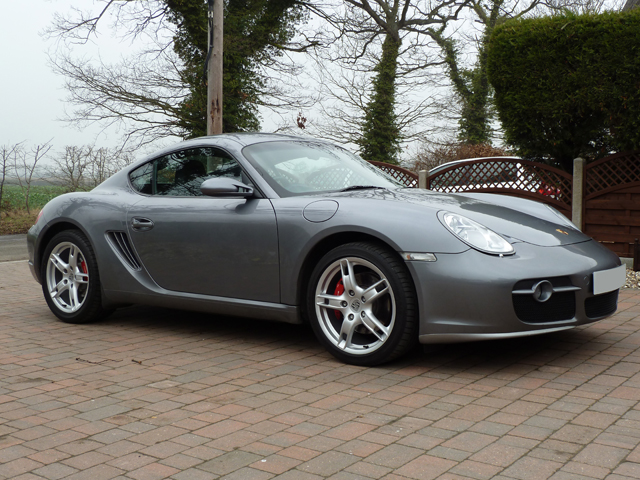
[{"x": 214, "y": 67}]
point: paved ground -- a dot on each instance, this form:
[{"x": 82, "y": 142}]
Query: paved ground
[
  {"x": 153, "y": 393},
  {"x": 13, "y": 247}
]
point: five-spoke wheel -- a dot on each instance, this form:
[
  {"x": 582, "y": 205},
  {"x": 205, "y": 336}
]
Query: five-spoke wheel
[
  {"x": 361, "y": 304},
  {"x": 67, "y": 277},
  {"x": 71, "y": 284}
]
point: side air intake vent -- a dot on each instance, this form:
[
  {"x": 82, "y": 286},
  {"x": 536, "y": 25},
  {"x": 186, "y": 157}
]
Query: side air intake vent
[{"x": 120, "y": 243}]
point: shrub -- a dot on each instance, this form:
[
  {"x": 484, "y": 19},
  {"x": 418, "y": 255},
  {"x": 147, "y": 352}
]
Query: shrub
[
  {"x": 431, "y": 156},
  {"x": 568, "y": 86}
]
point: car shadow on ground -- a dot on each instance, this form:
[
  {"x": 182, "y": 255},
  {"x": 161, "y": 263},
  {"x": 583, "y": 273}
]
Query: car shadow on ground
[{"x": 563, "y": 349}]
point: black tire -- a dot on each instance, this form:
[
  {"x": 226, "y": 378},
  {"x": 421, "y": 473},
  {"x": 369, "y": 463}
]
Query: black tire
[
  {"x": 370, "y": 320},
  {"x": 70, "y": 279}
]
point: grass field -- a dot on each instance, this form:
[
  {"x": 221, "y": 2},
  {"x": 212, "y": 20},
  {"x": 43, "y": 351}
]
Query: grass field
[
  {"x": 14, "y": 218},
  {"x": 13, "y": 198}
]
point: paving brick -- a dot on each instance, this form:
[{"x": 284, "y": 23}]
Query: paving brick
[
  {"x": 425, "y": 467},
  {"x": 87, "y": 460},
  {"x": 628, "y": 469},
  {"x": 132, "y": 461},
  {"x": 328, "y": 463},
  {"x": 576, "y": 434},
  {"x": 276, "y": 464},
  {"x": 585, "y": 470},
  {"x": 477, "y": 470},
  {"x": 394, "y": 456},
  {"x": 532, "y": 469},
  {"x": 194, "y": 474},
  {"x": 153, "y": 471},
  {"x": 469, "y": 441},
  {"x": 17, "y": 467},
  {"x": 229, "y": 462},
  {"x": 54, "y": 471},
  {"x": 499, "y": 454},
  {"x": 99, "y": 472},
  {"x": 361, "y": 470}
]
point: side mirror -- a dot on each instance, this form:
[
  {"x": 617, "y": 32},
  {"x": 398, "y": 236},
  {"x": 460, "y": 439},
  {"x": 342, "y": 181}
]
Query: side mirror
[{"x": 225, "y": 187}]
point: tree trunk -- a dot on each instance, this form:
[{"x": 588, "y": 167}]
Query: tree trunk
[{"x": 380, "y": 132}]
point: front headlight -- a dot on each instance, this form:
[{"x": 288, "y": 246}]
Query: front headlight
[{"x": 475, "y": 235}]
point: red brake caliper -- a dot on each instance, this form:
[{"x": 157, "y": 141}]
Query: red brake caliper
[
  {"x": 83, "y": 267},
  {"x": 339, "y": 291}
]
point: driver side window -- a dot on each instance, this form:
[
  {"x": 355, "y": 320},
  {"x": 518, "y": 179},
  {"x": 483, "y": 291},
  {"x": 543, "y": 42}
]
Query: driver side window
[{"x": 181, "y": 173}]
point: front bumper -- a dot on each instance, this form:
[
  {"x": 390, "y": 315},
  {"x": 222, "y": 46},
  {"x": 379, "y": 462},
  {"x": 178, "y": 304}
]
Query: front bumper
[{"x": 469, "y": 296}]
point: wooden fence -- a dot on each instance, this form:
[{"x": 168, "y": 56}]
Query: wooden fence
[{"x": 611, "y": 206}]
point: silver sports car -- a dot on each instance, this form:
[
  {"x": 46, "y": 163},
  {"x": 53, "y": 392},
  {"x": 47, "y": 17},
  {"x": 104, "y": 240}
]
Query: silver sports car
[{"x": 299, "y": 230}]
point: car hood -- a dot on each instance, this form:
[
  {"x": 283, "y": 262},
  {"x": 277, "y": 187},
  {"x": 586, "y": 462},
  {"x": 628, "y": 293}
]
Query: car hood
[{"x": 519, "y": 219}]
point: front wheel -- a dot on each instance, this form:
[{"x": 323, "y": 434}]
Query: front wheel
[
  {"x": 362, "y": 305},
  {"x": 71, "y": 284}
]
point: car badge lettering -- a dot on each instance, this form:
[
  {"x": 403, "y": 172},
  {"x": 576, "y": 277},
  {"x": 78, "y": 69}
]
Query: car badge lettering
[{"x": 562, "y": 231}]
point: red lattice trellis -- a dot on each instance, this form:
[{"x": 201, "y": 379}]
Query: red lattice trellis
[
  {"x": 611, "y": 173},
  {"x": 404, "y": 176},
  {"x": 511, "y": 176}
]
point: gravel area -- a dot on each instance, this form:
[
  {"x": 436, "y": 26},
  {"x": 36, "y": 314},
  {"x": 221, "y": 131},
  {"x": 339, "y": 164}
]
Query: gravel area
[{"x": 633, "y": 279}]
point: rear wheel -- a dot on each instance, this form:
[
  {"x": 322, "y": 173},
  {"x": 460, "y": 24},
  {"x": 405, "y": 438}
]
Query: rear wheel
[
  {"x": 361, "y": 303},
  {"x": 71, "y": 284}
]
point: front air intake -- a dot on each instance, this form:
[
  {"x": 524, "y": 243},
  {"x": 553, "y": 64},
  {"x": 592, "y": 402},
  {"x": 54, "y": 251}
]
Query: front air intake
[
  {"x": 601, "y": 305},
  {"x": 544, "y": 300}
]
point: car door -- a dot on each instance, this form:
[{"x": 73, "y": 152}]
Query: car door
[{"x": 227, "y": 247}]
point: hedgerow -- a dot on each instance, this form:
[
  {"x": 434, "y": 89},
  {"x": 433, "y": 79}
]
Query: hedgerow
[{"x": 568, "y": 86}]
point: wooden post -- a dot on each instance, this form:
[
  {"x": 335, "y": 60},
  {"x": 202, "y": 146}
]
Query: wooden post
[
  {"x": 636, "y": 256},
  {"x": 214, "y": 73},
  {"x": 578, "y": 193},
  {"x": 422, "y": 178}
]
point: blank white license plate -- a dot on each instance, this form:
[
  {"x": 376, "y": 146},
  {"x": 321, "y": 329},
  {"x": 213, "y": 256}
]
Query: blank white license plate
[{"x": 609, "y": 280}]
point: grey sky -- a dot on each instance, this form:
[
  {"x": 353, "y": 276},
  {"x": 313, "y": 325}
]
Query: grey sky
[{"x": 32, "y": 96}]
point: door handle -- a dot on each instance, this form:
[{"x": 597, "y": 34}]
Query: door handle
[{"x": 141, "y": 224}]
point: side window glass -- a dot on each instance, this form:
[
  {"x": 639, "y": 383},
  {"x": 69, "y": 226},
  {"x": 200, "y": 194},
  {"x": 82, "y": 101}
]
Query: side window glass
[
  {"x": 181, "y": 173},
  {"x": 141, "y": 178}
]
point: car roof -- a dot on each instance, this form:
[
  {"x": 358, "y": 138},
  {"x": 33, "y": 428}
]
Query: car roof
[
  {"x": 240, "y": 139},
  {"x": 249, "y": 138}
]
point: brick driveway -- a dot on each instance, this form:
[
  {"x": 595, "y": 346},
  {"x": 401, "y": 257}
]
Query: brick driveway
[{"x": 154, "y": 393}]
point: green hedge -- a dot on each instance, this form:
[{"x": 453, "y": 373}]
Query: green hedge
[{"x": 568, "y": 86}]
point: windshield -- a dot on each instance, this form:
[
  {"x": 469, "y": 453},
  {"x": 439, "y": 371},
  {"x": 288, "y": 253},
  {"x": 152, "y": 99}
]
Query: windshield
[{"x": 301, "y": 168}]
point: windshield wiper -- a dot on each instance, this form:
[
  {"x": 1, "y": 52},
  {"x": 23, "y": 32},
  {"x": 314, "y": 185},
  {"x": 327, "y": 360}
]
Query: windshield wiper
[{"x": 361, "y": 187}]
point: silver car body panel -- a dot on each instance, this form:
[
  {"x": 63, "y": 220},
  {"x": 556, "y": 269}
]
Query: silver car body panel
[{"x": 248, "y": 256}]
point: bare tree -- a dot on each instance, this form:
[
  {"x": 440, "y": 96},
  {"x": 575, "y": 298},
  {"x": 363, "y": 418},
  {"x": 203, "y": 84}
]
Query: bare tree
[
  {"x": 25, "y": 165},
  {"x": 146, "y": 95},
  {"x": 68, "y": 168},
  {"x": 143, "y": 96},
  {"x": 77, "y": 168},
  {"x": 102, "y": 163},
  {"x": 471, "y": 83},
  {"x": 356, "y": 97},
  {"x": 463, "y": 45},
  {"x": 8, "y": 154}
]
